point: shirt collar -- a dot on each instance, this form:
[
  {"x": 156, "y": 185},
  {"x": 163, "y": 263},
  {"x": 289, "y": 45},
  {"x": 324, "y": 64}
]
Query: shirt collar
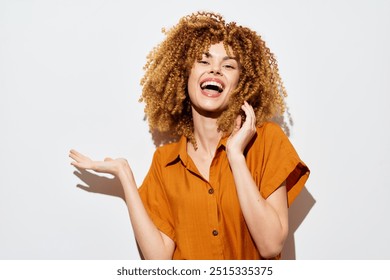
[{"x": 179, "y": 152}]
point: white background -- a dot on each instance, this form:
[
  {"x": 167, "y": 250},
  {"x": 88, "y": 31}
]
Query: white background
[{"x": 69, "y": 78}]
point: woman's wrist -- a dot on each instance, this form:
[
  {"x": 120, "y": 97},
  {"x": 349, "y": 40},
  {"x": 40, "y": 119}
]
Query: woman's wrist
[{"x": 235, "y": 156}]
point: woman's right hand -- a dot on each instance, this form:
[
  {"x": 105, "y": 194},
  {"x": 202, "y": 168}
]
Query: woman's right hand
[
  {"x": 153, "y": 243},
  {"x": 109, "y": 165}
]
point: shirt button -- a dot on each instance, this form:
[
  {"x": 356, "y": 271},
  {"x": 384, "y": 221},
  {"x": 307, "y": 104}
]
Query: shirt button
[
  {"x": 215, "y": 232},
  {"x": 211, "y": 191}
]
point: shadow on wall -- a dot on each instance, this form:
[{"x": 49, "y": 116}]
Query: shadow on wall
[
  {"x": 162, "y": 138},
  {"x": 99, "y": 184},
  {"x": 297, "y": 213}
]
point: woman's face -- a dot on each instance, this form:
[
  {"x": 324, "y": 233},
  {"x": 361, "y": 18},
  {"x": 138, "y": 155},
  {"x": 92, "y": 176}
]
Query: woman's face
[{"x": 212, "y": 79}]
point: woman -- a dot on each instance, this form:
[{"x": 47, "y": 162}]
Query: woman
[{"x": 222, "y": 190}]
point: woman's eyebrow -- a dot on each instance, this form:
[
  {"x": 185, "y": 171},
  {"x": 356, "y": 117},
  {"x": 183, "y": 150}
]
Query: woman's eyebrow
[{"x": 209, "y": 55}]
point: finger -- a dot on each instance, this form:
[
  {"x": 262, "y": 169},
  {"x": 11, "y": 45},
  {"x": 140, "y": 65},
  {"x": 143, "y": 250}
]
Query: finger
[
  {"x": 237, "y": 125},
  {"x": 80, "y": 165},
  {"x": 251, "y": 114},
  {"x": 78, "y": 156},
  {"x": 250, "y": 108},
  {"x": 108, "y": 159},
  {"x": 79, "y": 160},
  {"x": 75, "y": 155},
  {"x": 248, "y": 119}
]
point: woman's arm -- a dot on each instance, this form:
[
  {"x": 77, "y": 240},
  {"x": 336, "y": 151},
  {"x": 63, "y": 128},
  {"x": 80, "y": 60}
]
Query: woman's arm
[
  {"x": 153, "y": 243},
  {"x": 267, "y": 219}
]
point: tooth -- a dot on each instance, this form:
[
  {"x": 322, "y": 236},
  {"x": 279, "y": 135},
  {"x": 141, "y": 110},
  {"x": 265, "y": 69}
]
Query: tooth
[{"x": 212, "y": 83}]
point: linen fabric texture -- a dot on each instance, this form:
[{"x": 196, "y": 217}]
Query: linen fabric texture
[{"x": 204, "y": 218}]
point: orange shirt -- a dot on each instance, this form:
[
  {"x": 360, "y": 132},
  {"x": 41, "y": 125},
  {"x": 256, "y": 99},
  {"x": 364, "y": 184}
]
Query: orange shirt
[{"x": 204, "y": 218}]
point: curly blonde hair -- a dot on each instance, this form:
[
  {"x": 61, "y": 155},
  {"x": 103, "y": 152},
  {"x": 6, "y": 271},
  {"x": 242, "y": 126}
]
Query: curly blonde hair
[{"x": 168, "y": 108}]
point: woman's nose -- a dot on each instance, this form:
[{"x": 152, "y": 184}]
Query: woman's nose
[{"x": 215, "y": 69}]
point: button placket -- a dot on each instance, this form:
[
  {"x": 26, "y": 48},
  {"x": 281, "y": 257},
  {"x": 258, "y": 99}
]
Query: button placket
[{"x": 213, "y": 188}]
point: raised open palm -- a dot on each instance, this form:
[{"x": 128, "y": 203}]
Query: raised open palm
[{"x": 108, "y": 165}]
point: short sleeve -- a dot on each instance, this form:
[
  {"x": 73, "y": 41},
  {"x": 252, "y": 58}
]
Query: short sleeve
[
  {"x": 154, "y": 198},
  {"x": 280, "y": 162}
]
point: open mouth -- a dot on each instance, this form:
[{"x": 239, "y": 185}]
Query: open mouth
[{"x": 212, "y": 86}]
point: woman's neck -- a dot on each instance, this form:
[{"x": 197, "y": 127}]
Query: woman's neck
[{"x": 206, "y": 134}]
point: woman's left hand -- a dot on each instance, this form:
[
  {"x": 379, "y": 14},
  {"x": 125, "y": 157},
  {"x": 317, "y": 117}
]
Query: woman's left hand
[{"x": 242, "y": 134}]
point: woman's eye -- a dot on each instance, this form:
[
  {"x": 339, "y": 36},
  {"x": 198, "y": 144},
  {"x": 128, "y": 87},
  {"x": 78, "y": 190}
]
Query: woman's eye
[
  {"x": 229, "y": 66},
  {"x": 202, "y": 62}
]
